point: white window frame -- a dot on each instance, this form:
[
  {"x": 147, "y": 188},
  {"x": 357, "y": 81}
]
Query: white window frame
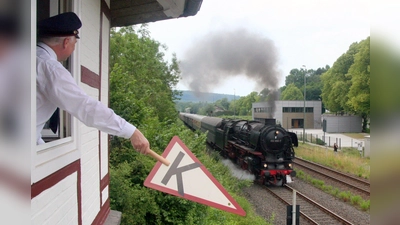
[
  {"x": 54, "y": 155},
  {"x": 56, "y": 7}
]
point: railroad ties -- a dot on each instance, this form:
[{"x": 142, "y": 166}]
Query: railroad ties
[{"x": 310, "y": 210}]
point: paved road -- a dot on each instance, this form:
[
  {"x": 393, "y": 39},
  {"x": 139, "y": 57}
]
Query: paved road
[{"x": 331, "y": 138}]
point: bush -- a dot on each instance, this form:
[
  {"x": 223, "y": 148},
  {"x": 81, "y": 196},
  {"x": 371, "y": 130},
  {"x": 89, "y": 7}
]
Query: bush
[
  {"x": 335, "y": 192},
  {"x": 327, "y": 188},
  {"x": 318, "y": 183},
  {"x": 320, "y": 142},
  {"x": 365, "y": 205},
  {"x": 355, "y": 199},
  {"x": 141, "y": 205},
  {"x": 345, "y": 196}
]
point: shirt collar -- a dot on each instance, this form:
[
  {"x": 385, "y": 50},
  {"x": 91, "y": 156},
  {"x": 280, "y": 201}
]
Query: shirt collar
[{"x": 48, "y": 50}]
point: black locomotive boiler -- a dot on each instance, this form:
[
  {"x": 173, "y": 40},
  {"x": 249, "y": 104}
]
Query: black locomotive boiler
[{"x": 265, "y": 150}]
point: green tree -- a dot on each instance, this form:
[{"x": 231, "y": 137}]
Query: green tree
[
  {"x": 313, "y": 81},
  {"x": 296, "y": 77},
  {"x": 182, "y": 106},
  {"x": 264, "y": 95},
  {"x": 136, "y": 61},
  {"x": 223, "y": 103},
  {"x": 337, "y": 82},
  {"x": 292, "y": 93},
  {"x": 249, "y": 100},
  {"x": 207, "y": 110},
  {"x": 346, "y": 86},
  {"x": 243, "y": 105},
  {"x": 359, "y": 94},
  {"x": 314, "y": 84}
]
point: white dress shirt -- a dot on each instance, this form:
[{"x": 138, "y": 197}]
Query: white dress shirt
[{"x": 55, "y": 87}]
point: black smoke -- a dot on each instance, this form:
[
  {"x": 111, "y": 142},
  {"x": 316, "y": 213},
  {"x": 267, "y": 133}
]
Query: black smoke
[{"x": 220, "y": 55}]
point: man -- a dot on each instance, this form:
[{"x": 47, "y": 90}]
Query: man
[
  {"x": 56, "y": 87},
  {"x": 335, "y": 147}
]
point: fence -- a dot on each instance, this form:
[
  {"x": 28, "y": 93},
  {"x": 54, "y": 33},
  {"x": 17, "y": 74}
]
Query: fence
[
  {"x": 326, "y": 140},
  {"x": 319, "y": 139}
]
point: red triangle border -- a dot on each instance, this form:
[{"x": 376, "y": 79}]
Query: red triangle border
[{"x": 171, "y": 144}]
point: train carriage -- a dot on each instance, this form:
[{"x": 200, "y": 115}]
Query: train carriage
[
  {"x": 211, "y": 125},
  {"x": 192, "y": 120}
]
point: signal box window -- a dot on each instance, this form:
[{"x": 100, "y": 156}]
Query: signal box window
[{"x": 60, "y": 124}]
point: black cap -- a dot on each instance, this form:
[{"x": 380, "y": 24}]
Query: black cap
[{"x": 65, "y": 24}]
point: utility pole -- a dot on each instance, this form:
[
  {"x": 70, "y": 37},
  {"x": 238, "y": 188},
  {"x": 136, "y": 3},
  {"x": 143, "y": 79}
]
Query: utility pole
[{"x": 304, "y": 106}]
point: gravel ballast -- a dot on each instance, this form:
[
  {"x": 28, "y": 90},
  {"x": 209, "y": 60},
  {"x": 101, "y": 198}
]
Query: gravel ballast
[{"x": 266, "y": 205}]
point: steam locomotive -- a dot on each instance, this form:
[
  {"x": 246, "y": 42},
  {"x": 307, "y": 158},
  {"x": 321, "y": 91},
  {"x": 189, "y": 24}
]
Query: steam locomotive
[{"x": 265, "y": 150}]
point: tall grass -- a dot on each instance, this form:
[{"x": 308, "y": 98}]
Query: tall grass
[
  {"x": 348, "y": 160},
  {"x": 345, "y": 196}
]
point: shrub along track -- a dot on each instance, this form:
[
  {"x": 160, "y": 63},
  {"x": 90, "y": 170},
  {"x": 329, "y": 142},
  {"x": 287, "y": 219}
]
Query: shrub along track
[{"x": 343, "y": 181}]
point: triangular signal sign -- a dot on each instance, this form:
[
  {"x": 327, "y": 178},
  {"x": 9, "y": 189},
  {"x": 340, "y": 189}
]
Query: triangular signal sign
[{"x": 187, "y": 178}]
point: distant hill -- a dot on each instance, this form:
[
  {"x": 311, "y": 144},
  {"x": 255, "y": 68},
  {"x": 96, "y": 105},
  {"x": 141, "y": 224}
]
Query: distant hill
[{"x": 191, "y": 96}]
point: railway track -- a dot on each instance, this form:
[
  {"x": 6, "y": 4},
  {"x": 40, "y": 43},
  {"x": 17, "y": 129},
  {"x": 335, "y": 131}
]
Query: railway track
[
  {"x": 335, "y": 178},
  {"x": 310, "y": 210}
]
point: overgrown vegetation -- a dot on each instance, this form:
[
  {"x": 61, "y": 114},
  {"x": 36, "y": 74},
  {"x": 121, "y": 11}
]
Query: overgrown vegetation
[
  {"x": 320, "y": 142},
  {"x": 141, "y": 205},
  {"x": 345, "y": 196},
  {"x": 141, "y": 91},
  {"x": 348, "y": 160}
]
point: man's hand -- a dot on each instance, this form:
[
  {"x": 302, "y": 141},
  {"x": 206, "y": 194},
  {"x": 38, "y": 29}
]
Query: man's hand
[{"x": 140, "y": 142}]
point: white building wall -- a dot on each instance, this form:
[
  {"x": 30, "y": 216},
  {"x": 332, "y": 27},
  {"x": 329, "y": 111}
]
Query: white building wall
[
  {"x": 90, "y": 172},
  {"x": 104, "y": 89},
  {"x": 343, "y": 124},
  {"x": 89, "y": 34},
  {"x": 317, "y": 105},
  {"x": 58, "y": 204},
  {"x": 278, "y": 114},
  {"x": 90, "y": 183},
  {"x": 104, "y": 194},
  {"x": 89, "y": 143}
]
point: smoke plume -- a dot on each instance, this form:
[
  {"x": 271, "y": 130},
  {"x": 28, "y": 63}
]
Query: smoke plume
[
  {"x": 224, "y": 54},
  {"x": 237, "y": 172}
]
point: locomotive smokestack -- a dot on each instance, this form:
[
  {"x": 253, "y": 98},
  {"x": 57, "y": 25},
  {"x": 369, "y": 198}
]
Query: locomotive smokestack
[
  {"x": 221, "y": 55},
  {"x": 273, "y": 96}
]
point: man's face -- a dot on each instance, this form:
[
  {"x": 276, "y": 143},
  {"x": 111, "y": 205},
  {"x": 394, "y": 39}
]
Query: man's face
[
  {"x": 71, "y": 44},
  {"x": 68, "y": 47}
]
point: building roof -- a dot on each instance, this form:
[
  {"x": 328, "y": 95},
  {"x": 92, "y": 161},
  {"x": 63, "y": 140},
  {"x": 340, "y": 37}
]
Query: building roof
[{"x": 131, "y": 12}]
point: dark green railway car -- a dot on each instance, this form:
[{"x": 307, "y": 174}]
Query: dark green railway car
[{"x": 215, "y": 135}]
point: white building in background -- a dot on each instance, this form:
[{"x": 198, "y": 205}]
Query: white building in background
[
  {"x": 290, "y": 113},
  {"x": 342, "y": 123}
]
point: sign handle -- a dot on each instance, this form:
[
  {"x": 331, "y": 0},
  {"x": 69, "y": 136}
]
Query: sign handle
[{"x": 158, "y": 157}]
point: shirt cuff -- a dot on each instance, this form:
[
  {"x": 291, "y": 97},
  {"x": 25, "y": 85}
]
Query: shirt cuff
[{"x": 128, "y": 130}]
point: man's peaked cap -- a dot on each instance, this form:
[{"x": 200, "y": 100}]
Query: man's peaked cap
[{"x": 65, "y": 24}]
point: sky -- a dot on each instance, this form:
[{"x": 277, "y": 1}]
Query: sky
[{"x": 236, "y": 46}]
